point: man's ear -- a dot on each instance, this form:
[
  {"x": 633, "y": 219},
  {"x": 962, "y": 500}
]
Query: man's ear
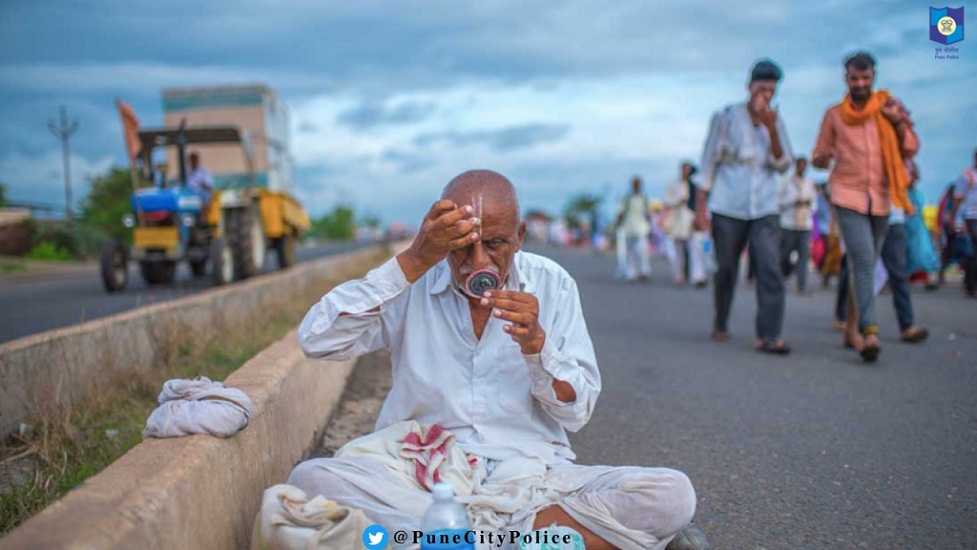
[{"x": 519, "y": 235}]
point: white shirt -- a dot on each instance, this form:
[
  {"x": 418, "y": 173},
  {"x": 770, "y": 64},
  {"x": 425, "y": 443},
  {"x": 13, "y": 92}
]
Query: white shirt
[
  {"x": 678, "y": 224},
  {"x": 966, "y": 190},
  {"x": 635, "y": 211},
  {"x": 200, "y": 180},
  {"x": 792, "y": 217},
  {"x": 498, "y": 402},
  {"x": 738, "y": 168}
]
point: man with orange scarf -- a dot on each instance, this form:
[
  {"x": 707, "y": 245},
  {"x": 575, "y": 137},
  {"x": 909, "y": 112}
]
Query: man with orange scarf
[{"x": 868, "y": 136}]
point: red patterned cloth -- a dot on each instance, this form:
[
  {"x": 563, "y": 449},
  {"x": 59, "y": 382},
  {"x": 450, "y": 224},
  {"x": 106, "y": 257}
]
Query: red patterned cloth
[{"x": 428, "y": 451}]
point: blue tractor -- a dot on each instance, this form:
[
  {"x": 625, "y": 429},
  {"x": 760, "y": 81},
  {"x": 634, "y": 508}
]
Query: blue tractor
[{"x": 172, "y": 223}]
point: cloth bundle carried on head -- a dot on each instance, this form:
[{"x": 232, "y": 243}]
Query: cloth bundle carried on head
[{"x": 198, "y": 406}]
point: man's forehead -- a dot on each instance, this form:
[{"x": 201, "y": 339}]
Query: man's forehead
[{"x": 497, "y": 214}]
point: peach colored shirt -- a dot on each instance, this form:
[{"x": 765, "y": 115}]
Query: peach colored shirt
[{"x": 857, "y": 178}]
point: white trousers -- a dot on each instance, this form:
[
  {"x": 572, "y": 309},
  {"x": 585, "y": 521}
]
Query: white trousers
[
  {"x": 637, "y": 260},
  {"x": 698, "y": 270},
  {"x": 676, "y": 250},
  {"x": 630, "y": 507}
]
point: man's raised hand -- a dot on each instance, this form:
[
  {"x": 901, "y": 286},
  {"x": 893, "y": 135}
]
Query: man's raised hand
[
  {"x": 446, "y": 227},
  {"x": 892, "y": 112}
]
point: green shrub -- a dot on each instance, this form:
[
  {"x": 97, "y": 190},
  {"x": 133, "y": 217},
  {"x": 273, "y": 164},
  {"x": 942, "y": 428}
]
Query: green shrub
[
  {"x": 78, "y": 240},
  {"x": 48, "y": 251},
  {"x": 109, "y": 199}
]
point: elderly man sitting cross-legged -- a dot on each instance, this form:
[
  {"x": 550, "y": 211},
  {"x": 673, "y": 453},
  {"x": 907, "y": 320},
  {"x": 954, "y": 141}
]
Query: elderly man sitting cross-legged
[{"x": 496, "y": 379}]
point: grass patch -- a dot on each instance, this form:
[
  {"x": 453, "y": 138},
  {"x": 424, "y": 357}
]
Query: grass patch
[
  {"x": 49, "y": 252},
  {"x": 72, "y": 443},
  {"x": 12, "y": 266}
]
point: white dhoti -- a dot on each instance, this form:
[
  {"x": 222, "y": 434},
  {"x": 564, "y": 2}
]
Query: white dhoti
[{"x": 630, "y": 507}]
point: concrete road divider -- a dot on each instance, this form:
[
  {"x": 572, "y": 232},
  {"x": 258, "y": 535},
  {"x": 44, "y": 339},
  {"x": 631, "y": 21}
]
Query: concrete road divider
[
  {"x": 196, "y": 491},
  {"x": 199, "y": 491},
  {"x": 64, "y": 365}
]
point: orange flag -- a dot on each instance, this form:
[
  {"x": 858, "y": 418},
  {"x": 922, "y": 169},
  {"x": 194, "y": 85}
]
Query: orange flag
[{"x": 130, "y": 129}]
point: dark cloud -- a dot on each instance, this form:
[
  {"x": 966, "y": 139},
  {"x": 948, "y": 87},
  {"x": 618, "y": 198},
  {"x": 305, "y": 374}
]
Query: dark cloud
[
  {"x": 374, "y": 50},
  {"x": 382, "y": 47},
  {"x": 506, "y": 139},
  {"x": 369, "y": 115}
]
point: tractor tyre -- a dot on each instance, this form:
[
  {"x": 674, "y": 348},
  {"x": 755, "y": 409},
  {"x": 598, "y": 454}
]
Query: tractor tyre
[
  {"x": 115, "y": 266},
  {"x": 221, "y": 262},
  {"x": 247, "y": 239}
]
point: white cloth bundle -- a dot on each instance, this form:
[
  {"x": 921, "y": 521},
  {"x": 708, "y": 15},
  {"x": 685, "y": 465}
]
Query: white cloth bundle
[
  {"x": 198, "y": 406},
  {"x": 288, "y": 520}
]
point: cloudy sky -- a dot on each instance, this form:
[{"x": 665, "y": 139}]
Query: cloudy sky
[{"x": 389, "y": 100}]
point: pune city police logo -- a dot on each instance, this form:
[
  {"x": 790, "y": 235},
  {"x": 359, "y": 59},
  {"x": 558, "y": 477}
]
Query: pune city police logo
[{"x": 946, "y": 25}]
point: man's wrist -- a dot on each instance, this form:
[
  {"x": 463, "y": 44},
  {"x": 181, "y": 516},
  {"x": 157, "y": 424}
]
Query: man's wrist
[
  {"x": 412, "y": 266},
  {"x": 535, "y": 347}
]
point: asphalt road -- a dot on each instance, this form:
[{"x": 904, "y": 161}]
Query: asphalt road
[
  {"x": 813, "y": 450},
  {"x": 29, "y": 305},
  {"x": 810, "y": 451}
]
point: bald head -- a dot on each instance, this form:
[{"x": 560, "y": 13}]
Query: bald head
[
  {"x": 494, "y": 189},
  {"x": 499, "y": 229}
]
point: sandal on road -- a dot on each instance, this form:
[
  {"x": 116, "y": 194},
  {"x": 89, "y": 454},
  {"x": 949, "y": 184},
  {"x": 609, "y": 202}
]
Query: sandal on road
[
  {"x": 871, "y": 350},
  {"x": 915, "y": 335},
  {"x": 870, "y": 353},
  {"x": 776, "y": 347}
]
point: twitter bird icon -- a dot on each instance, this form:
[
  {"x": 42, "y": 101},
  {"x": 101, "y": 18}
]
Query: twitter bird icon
[{"x": 375, "y": 537}]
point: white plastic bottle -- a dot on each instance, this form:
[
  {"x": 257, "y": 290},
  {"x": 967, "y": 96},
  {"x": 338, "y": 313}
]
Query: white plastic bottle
[{"x": 446, "y": 522}]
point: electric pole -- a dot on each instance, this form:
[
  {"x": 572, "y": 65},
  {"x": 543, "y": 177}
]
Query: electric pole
[{"x": 64, "y": 132}]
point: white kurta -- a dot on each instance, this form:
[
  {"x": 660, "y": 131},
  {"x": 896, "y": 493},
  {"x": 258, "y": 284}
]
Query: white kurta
[
  {"x": 497, "y": 401},
  {"x": 499, "y": 404}
]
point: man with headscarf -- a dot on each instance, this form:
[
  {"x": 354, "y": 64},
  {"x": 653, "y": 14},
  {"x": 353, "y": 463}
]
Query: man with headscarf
[
  {"x": 869, "y": 137},
  {"x": 746, "y": 151},
  {"x": 506, "y": 372}
]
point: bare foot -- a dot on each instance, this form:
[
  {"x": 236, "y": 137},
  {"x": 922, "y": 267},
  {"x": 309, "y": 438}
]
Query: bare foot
[{"x": 854, "y": 341}]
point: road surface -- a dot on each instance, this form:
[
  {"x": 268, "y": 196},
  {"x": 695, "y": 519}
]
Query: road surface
[{"x": 29, "y": 305}]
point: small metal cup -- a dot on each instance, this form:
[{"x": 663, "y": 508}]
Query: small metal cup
[{"x": 480, "y": 281}]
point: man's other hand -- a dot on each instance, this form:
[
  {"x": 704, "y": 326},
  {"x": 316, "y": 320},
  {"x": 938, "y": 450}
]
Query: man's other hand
[
  {"x": 892, "y": 112},
  {"x": 446, "y": 227},
  {"x": 701, "y": 220},
  {"x": 822, "y": 161},
  {"x": 521, "y": 310}
]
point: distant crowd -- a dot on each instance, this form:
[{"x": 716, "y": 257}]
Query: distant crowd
[{"x": 750, "y": 201}]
